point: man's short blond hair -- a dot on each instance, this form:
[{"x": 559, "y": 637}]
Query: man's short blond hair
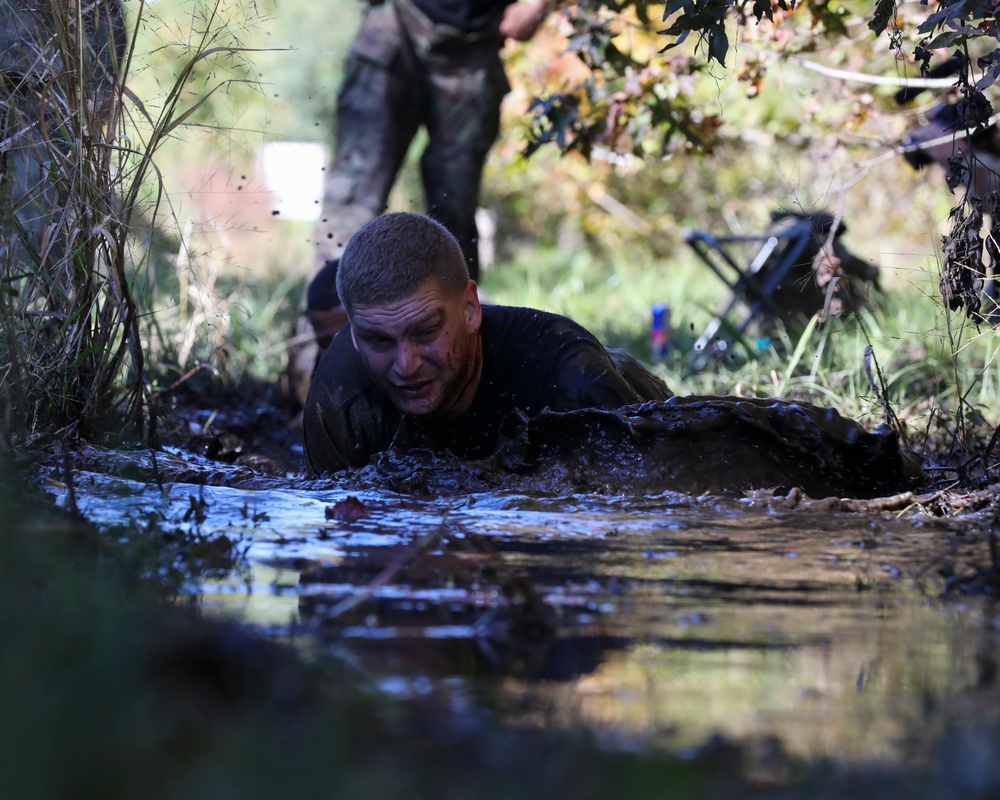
[{"x": 393, "y": 255}]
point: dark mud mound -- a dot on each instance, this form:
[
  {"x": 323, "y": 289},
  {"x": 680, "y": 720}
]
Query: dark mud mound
[
  {"x": 687, "y": 445},
  {"x": 718, "y": 445}
]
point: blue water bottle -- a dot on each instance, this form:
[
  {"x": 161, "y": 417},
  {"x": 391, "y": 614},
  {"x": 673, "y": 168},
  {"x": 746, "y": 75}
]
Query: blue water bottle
[{"x": 659, "y": 330}]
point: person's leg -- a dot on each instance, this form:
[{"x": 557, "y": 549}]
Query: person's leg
[
  {"x": 463, "y": 120},
  {"x": 377, "y": 117}
]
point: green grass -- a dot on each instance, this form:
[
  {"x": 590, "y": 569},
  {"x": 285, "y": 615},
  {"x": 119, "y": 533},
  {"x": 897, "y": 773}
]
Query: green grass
[{"x": 612, "y": 295}]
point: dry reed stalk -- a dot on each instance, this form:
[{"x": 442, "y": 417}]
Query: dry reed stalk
[{"x": 76, "y": 172}]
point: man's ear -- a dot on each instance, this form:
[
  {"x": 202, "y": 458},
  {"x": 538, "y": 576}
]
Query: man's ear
[
  {"x": 354, "y": 339},
  {"x": 473, "y": 308}
]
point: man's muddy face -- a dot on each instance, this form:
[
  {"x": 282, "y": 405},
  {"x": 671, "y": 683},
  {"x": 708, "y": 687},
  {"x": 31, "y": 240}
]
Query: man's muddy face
[{"x": 422, "y": 350}]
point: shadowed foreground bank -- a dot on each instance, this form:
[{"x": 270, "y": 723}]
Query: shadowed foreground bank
[{"x": 110, "y": 690}]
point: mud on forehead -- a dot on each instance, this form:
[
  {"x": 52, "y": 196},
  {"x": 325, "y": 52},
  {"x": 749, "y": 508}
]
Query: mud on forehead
[
  {"x": 401, "y": 316},
  {"x": 393, "y": 293}
]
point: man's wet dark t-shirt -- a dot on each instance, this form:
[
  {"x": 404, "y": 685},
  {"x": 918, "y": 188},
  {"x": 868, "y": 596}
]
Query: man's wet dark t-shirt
[{"x": 531, "y": 360}]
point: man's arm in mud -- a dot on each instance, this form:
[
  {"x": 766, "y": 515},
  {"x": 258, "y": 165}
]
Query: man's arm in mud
[
  {"x": 586, "y": 377},
  {"x": 346, "y": 420},
  {"x": 332, "y": 442}
]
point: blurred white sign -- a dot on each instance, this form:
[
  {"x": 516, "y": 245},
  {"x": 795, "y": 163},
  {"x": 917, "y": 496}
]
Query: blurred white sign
[{"x": 293, "y": 171}]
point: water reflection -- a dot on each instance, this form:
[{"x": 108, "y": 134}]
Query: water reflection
[{"x": 655, "y": 621}]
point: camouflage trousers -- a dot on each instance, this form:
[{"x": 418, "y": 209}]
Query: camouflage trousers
[{"x": 404, "y": 72}]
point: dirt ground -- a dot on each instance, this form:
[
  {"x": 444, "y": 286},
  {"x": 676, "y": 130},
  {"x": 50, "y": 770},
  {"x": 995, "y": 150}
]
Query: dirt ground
[{"x": 254, "y": 425}]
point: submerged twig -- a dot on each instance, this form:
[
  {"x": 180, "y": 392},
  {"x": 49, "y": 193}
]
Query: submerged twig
[
  {"x": 994, "y": 534},
  {"x": 422, "y": 544},
  {"x": 182, "y": 379}
]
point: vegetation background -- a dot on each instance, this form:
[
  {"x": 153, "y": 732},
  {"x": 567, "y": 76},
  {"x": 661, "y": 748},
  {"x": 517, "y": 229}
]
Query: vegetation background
[
  {"x": 105, "y": 696},
  {"x": 598, "y": 238}
]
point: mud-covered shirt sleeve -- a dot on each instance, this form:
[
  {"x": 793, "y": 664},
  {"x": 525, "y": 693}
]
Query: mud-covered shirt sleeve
[
  {"x": 539, "y": 360},
  {"x": 346, "y": 420},
  {"x": 586, "y": 377}
]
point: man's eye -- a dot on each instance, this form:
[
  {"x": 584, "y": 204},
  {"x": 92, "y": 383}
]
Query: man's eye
[{"x": 426, "y": 333}]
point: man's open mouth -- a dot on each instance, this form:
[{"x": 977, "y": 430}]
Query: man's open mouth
[{"x": 414, "y": 389}]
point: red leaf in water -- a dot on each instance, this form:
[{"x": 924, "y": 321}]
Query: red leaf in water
[{"x": 347, "y": 510}]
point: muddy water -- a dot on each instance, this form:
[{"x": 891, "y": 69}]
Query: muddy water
[{"x": 655, "y": 621}]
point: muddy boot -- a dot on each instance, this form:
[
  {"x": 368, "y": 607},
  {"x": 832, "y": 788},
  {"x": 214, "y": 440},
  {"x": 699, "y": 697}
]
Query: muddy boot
[
  {"x": 326, "y": 323},
  {"x": 313, "y": 333},
  {"x": 323, "y": 306},
  {"x": 314, "y": 330}
]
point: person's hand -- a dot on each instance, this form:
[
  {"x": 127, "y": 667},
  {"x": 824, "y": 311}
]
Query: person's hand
[{"x": 521, "y": 19}]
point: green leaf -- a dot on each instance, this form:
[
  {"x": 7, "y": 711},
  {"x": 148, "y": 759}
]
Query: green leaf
[
  {"x": 82, "y": 356},
  {"x": 718, "y": 43},
  {"x": 671, "y": 7},
  {"x": 679, "y": 41},
  {"x": 762, "y": 8},
  {"x": 940, "y": 17},
  {"x": 884, "y": 10},
  {"x": 947, "y": 39},
  {"x": 991, "y": 73}
]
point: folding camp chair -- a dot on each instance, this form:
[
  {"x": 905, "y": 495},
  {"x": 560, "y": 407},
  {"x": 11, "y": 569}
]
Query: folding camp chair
[
  {"x": 777, "y": 252},
  {"x": 797, "y": 267}
]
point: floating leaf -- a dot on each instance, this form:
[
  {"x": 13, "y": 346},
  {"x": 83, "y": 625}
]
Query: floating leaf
[{"x": 347, "y": 510}]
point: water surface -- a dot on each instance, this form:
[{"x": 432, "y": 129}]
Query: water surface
[{"x": 654, "y": 621}]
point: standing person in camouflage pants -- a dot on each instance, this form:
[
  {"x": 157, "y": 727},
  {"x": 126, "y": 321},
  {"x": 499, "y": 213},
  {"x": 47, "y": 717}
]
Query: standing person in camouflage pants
[
  {"x": 434, "y": 63},
  {"x": 35, "y": 37}
]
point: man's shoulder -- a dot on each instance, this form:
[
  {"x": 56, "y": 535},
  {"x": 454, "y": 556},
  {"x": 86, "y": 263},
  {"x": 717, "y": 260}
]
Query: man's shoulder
[
  {"x": 526, "y": 332},
  {"x": 346, "y": 418},
  {"x": 536, "y": 359},
  {"x": 522, "y": 319}
]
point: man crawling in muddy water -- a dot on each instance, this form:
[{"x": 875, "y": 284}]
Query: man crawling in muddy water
[{"x": 422, "y": 364}]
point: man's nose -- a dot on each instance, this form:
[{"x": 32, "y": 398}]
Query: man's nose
[{"x": 407, "y": 361}]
